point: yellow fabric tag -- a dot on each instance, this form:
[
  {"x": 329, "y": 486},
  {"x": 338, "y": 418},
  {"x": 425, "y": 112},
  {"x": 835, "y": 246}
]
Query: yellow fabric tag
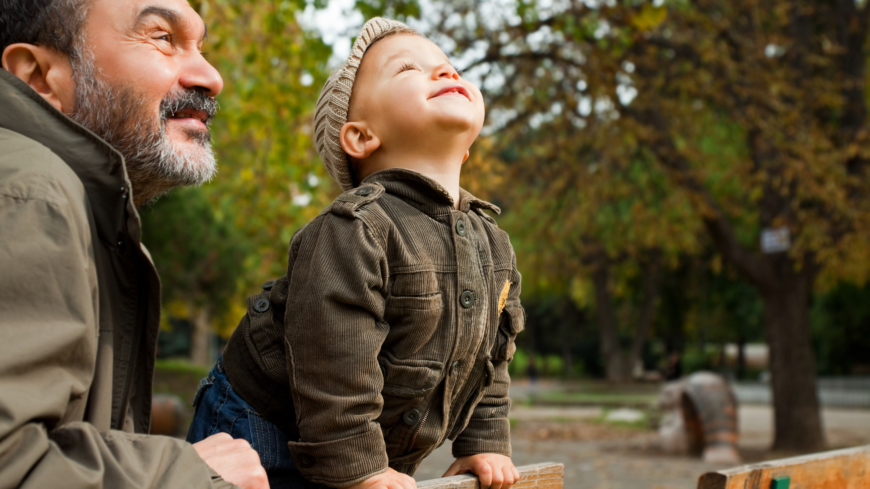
[{"x": 502, "y": 300}]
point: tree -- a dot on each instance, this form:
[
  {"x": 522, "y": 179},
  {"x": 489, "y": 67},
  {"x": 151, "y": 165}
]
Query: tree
[{"x": 754, "y": 109}]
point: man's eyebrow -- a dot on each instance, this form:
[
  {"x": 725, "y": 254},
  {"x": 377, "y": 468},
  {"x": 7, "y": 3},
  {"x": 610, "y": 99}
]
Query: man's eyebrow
[{"x": 169, "y": 15}]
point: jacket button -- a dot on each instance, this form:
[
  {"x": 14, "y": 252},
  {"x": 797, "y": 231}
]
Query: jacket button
[
  {"x": 411, "y": 417},
  {"x": 305, "y": 461},
  {"x": 362, "y": 192},
  {"x": 262, "y": 305},
  {"x": 460, "y": 227},
  {"x": 268, "y": 285},
  {"x": 467, "y": 299},
  {"x": 454, "y": 367}
]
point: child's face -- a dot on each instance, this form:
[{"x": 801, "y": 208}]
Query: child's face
[{"x": 407, "y": 90}]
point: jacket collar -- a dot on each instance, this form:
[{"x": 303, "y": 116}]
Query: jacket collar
[
  {"x": 424, "y": 193},
  {"x": 97, "y": 164}
]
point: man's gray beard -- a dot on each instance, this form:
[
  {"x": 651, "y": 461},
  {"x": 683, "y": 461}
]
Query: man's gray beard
[{"x": 121, "y": 117}]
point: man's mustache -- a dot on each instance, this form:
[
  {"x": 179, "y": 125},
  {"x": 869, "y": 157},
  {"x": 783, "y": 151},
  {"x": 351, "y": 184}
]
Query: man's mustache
[{"x": 188, "y": 100}]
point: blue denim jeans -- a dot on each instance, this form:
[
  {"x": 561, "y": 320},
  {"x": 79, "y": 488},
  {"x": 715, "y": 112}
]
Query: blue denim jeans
[{"x": 219, "y": 409}]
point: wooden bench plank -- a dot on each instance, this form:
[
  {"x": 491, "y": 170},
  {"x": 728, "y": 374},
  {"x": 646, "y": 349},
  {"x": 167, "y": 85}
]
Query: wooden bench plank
[
  {"x": 539, "y": 476},
  {"x": 838, "y": 469}
]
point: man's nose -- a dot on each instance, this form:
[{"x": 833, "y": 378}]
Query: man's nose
[
  {"x": 447, "y": 71},
  {"x": 199, "y": 74}
]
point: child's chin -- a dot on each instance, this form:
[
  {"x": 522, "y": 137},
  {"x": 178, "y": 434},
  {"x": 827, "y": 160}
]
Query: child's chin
[{"x": 459, "y": 121}]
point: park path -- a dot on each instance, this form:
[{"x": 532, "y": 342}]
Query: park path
[{"x": 633, "y": 460}]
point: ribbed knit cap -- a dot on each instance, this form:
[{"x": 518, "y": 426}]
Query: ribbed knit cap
[{"x": 330, "y": 114}]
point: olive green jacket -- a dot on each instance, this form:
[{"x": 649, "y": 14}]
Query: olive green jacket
[
  {"x": 391, "y": 332},
  {"x": 79, "y": 312}
]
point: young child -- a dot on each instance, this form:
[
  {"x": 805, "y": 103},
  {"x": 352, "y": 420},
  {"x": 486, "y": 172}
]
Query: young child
[{"x": 393, "y": 328}]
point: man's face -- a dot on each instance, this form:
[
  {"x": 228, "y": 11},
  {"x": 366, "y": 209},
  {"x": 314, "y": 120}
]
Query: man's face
[
  {"x": 407, "y": 89},
  {"x": 144, "y": 85}
]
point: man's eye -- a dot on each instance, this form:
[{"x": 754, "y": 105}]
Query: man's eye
[{"x": 163, "y": 37}]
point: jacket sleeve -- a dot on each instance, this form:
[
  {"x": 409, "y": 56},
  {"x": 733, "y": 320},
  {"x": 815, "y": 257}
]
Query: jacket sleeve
[
  {"x": 488, "y": 430},
  {"x": 333, "y": 334},
  {"x": 48, "y": 338}
]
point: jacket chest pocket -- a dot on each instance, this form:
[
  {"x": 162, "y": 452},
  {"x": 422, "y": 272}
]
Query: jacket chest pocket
[{"x": 413, "y": 311}]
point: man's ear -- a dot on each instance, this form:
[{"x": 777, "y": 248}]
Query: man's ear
[
  {"x": 357, "y": 140},
  {"x": 45, "y": 70}
]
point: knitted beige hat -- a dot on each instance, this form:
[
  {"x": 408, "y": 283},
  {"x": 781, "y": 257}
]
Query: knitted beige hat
[{"x": 330, "y": 114}]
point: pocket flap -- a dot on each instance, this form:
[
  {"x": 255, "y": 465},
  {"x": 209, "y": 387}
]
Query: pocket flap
[
  {"x": 409, "y": 378},
  {"x": 513, "y": 320},
  {"x": 424, "y": 303}
]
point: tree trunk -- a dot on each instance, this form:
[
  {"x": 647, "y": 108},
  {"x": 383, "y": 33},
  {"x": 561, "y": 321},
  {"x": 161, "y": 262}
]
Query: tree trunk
[
  {"x": 568, "y": 327},
  {"x": 798, "y": 425},
  {"x": 615, "y": 364},
  {"x": 200, "y": 343},
  {"x": 620, "y": 364},
  {"x": 651, "y": 291}
]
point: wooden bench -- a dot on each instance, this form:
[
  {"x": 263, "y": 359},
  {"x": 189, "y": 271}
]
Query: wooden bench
[
  {"x": 839, "y": 469},
  {"x": 539, "y": 476}
]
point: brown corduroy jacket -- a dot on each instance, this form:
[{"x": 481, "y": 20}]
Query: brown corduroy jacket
[
  {"x": 79, "y": 313},
  {"x": 391, "y": 332}
]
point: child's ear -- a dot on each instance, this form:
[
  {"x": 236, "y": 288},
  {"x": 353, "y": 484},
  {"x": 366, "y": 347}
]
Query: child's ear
[
  {"x": 357, "y": 140},
  {"x": 465, "y": 158}
]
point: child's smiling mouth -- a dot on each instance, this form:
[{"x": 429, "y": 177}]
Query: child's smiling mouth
[{"x": 453, "y": 90}]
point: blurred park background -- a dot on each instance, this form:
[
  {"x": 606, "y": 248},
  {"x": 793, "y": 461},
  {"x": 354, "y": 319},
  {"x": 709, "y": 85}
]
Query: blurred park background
[{"x": 685, "y": 183}]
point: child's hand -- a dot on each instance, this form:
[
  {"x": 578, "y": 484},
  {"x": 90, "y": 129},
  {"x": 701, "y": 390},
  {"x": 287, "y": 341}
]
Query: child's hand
[
  {"x": 387, "y": 480},
  {"x": 494, "y": 471}
]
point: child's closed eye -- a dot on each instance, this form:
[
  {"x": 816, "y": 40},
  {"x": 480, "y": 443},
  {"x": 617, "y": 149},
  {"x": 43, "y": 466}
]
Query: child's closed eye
[{"x": 408, "y": 65}]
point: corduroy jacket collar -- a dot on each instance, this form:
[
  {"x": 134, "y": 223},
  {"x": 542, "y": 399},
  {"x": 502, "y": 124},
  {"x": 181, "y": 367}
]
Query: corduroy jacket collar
[{"x": 425, "y": 194}]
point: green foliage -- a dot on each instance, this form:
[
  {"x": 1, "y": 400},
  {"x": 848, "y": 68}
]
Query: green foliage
[
  {"x": 216, "y": 244},
  {"x": 195, "y": 250},
  {"x": 177, "y": 366},
  {"x": 841, "y": 330}
]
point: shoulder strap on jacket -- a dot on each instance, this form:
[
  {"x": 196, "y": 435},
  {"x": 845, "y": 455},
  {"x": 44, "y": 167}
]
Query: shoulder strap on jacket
[{"x": 347, "y": 203}]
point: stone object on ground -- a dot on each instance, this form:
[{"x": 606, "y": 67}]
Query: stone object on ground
[{"x": 700, "y": 418}]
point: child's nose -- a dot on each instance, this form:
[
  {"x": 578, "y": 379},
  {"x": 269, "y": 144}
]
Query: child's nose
[{"x": 446, "y": 71}]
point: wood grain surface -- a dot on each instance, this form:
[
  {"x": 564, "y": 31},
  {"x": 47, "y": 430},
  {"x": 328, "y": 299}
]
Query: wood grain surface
[
  {"x": 839, "y": 469},
  {"x": 538, "y": 476}
]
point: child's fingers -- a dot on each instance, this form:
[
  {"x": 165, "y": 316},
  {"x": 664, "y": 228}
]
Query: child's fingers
[
  {"x": 509, "y": 478},
  {"x": 408, "y": 482},
  {"x": 516, "y": 472},
  {"x": 484, "y": 473},
  {"x": 497, "y": 478},
  {"x": 456, "y": 468}
]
